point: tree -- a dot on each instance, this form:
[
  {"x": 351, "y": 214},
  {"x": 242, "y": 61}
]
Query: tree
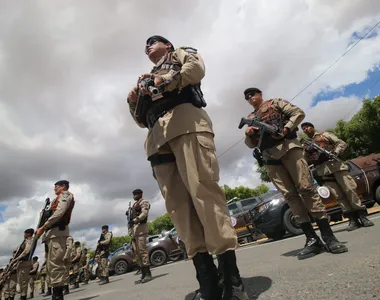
[
  {"x": 264, "y": 175},
  {"x": 162, "y": 222},
  {"x": 362, "y": 132},
  {"x": 242, "y": 192}
]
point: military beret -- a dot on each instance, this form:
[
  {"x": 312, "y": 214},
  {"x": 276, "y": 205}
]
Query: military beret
[
  {"x": 105, "y": 227},
  {"x": 35, "y": 257},
  {"x": 29, "y": 230},
  {"x": 62, "y": 182},
  {"x": 137, "y": 191},
  {"x": 251, "y": 91},
  {"x": 307, "y": 124},
  {"x": 158, "y": 38}
]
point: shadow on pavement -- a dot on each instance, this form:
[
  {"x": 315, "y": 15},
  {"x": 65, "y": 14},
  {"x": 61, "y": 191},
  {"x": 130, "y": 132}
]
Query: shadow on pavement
[
  {"x": 292, "y": 253},
  {"x": 254, "y": 286},
  {"x": 89, "y": 298}
]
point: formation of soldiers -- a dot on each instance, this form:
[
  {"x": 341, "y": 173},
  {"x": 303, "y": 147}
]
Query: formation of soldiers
[{"x": 180, "y": 147}]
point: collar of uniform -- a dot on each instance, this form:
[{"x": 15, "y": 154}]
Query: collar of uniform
[
  {"x": 315, "y": 134},
  {"x": 162, "y": 60}
]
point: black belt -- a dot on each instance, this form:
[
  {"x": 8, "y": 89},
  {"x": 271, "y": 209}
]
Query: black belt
[
  {"x": 272, "y": 162},
  {"x": 157, "y": 159}
]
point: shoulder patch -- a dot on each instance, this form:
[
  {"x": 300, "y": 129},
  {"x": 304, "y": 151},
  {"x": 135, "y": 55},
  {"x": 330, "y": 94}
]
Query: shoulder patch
[{"x": 190, "y": 50}]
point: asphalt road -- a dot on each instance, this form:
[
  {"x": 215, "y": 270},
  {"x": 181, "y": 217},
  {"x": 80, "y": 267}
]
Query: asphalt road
[{"x": 270, "y": 271}]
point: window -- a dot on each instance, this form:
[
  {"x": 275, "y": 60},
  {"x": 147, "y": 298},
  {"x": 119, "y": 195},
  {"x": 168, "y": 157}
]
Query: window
[
  {"x": 233, "y": 208},
  {"x": 249, "y": 203}
]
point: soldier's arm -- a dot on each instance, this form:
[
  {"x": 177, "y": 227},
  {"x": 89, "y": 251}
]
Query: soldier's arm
[
  {"x": 340, "y": 146},
  {"x": 34, "y": 268},
  {"x": 251, "y": 141},
  {"x": 107, "y": 239},
  {"x": 192, "y": 70},
  {"x": 28, "y": 247},
  {"x": 144, "y": 210},
  {"x": 63, "y": 205},
  {"x": 293, "y": 112}
]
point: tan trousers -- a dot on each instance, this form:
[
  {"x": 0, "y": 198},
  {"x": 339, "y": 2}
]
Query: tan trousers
[
  {"x": 344, "y": 189},
  {"x": 293, "y": 179},
  {"x": 48, "y": 284},
  {"x": 10, "y": 286},
  {"x": 32, "y": 279},
  {"x": 140, "y": 250},
  {"x": 194, "y": 200},
  {"x": 55, "y": 265},
  {"x": 76, "y": 268},
  {"x": 86, "y": 273},
  {"x": 104, "y": 264},
  {"x": 43, "y": 282},
  {"x": 23, "y": 276}
]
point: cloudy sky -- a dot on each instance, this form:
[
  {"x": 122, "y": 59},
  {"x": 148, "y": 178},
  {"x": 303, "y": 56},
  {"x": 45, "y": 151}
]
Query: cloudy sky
[{"x": 66, "y": 68}]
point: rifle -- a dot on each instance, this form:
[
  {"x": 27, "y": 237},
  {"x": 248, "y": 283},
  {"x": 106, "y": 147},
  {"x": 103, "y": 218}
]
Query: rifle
[
  {"x": 274, "y": 131},
  {"x": 96, "y": 252},
  {"x": 326, "y": 154},
  {"x": 129, "y": 213},
  {"x": 144, "y": 101},
  {"x": 44, "y": 216},
  {"x": 12, "y": 265}
]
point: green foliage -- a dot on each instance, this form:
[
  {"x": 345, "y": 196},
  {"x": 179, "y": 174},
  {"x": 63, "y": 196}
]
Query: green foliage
[
  {"x": 264, "y": 175},
  {"x": 362, "y": 132},
  {"x": 160, "y": 223},
  {"x": 242, "y": 192},
  {"x": 119, "y": 241}
]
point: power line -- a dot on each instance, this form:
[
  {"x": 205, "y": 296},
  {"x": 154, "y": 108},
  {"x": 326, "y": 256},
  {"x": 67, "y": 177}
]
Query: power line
[{"x": 319, "y": 76}]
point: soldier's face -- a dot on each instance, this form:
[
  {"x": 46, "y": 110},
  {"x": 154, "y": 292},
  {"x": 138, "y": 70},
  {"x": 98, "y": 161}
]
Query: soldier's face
[
  {"x": 254, "y": 99},
  {"x": 58, "y": 189},
  {"x": 137, "y": 196},
  {"x": 309, "y": 130},
  {"x": 155, "y": 50}
]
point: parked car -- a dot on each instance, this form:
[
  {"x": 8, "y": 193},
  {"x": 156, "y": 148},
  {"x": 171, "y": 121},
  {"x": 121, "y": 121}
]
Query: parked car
[
  {"x": 274, "y": 218},
  {"x": 242, "y": 221},
  {"x": 122, "y": 260},
  {"x": 165, "y": 248}
]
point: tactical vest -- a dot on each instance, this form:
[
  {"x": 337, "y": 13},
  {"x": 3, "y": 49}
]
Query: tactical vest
[
  {"x": 136, "y": 211},
  {"x": 313, "y": 156},
  {"x": 271, "y": 115},
  {"x": 22, "y": 248},
  {"x": 65, "y": 220},
  {"x": 189, "y": 94}
]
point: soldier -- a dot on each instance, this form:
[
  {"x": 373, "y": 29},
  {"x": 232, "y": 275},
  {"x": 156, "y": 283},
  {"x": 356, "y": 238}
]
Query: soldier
[
  {"x": 104, "y": 245},
  {"x": 10, "y": 283},
  {"x": 43, "y": 278},
  {"x": 139, "y": 218},
  {"x": 24, "y": 263},
  {"x": 57, "y": 231},
  {"x": 67, "y": 259},
  {"x": 180, "y": 147},
  {"x": 32, "y": 276},
  {"x": 334, "y": 174},
  {"x": 288, "y": 169},
  {"x": 86, "y": 263},
  {"x": 76, "y": 256}
]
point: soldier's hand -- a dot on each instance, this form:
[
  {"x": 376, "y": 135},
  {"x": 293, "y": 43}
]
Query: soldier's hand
[
  {"x": 141, "y": 86},
  {"x": 285, "y": 131},
  {"x": 132, "y": 96},
  {"x": 251, "y": 130}
]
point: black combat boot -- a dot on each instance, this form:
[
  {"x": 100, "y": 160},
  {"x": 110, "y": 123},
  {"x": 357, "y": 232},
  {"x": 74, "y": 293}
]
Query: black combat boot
[
  {"x": 138, "y": 272},
  {"x": 31, "y": 296},
  {"x": 58, "y": 293},
  {"x": 313, "y": 245},
  {"x": 22, "y": 297},
  {"x": 363, "y": 219},
  {"x": 332, "y": 243},
  {"x": 105, "y": 280},
  {"x": 207, "y": 276},
  {"x": 230, "y": 280},
  {"x": 48, "y": 293},
  {"x": 42, "y": 292},
  {"x": 66, "y": 290},
  {"x": 353, "y": 221},
  {"x": 148, "y": 275}
]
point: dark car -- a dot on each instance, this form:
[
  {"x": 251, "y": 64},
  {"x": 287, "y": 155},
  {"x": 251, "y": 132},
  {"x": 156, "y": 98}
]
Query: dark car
[
  {"x": 241, "y": 220},
  {"x": 164, "y": 248},
  {"x": 122, "y": 260}
]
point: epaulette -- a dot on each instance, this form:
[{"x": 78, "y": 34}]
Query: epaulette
[{"x": 190, "y": 50}]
